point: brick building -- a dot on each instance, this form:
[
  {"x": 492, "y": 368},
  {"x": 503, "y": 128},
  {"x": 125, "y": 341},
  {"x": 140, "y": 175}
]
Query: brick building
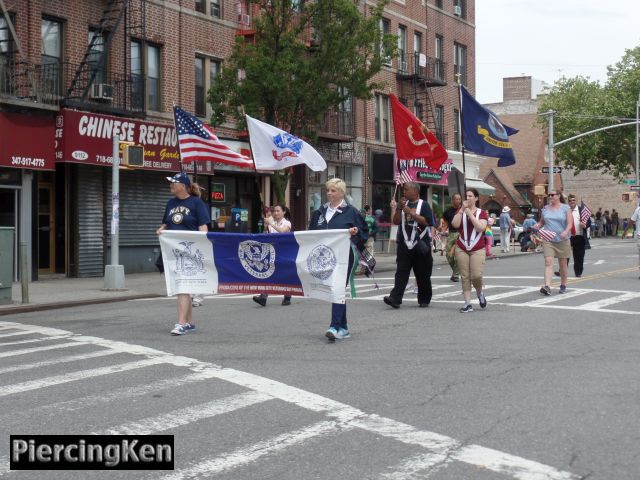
[{"x": 76, "y": 73}]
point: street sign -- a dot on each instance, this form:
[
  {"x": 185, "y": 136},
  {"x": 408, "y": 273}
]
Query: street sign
[
  {"x": 629, "y": 181},
  {"x": 634, "y": 187},
  {"x": 555, "y": 170}
]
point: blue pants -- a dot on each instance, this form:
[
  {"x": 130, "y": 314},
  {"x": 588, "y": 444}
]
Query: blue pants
[{"x": 339, "y": 315}]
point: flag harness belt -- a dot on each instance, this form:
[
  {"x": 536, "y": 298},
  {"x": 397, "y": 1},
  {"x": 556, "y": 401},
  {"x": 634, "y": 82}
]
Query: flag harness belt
[
  {"x": 411, "y": 242},
  {"x": 475, "y": 235}
]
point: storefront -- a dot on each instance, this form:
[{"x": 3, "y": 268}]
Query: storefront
[{"x": 27, "y": 189}]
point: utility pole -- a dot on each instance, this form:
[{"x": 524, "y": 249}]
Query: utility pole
[
  {"x": 550, "y": 150},
  {"x": 114, "y": 273},
  {"x": 637, "y": 129}
]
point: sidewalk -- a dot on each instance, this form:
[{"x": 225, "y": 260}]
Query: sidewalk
[{"x": 59, "y": 292}]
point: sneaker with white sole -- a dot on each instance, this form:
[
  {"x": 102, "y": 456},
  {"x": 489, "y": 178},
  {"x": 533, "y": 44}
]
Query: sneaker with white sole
[
  {"x": 466, "y": 309},
  {"x": 178, "y": 330},
  {"x": 563, "y": 289},
  {"x": 343, "y": 333},
  {"x": 482, "y": 300},
  {"x": 545, "y": 290},
  {"x": 188, "y": 327},
  {"x": 331, "y": 334}
]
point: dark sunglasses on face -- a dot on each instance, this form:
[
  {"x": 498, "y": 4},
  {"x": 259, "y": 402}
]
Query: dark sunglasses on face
[{"x": 552, "y": 194}]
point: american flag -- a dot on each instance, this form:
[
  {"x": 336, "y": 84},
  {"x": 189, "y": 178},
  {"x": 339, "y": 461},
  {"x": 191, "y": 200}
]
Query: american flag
[
  {"x": 402, "y": 174},
  {"x": 437, "y": 237},
  {"x": 199, "y": 143},
  {"x": 546, "y": 235},
  {"x": 585, "y": 215}
]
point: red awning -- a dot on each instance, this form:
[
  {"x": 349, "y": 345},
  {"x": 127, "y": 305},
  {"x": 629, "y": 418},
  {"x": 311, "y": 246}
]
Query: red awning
[{"x": 27, "y": 141}]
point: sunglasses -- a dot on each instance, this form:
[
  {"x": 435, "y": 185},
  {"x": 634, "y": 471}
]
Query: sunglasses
[{"x": 552, "y": 194}]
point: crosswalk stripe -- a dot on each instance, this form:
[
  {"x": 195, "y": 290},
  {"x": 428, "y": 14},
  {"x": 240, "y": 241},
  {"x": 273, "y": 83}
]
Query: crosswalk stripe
[
  {"x": 25, "y": 351},
  {"x": 252, "y": 453},
  {"x": 34, "y": 340},
  {"x": 605, "y": 302},
  {"x": 412, "y": 467},
  {"x": 555, "y": 298},
  {"x": 513, "y": 293},
  {"x": 55, "y": 361},
  {"x": 14, "y": 334},
  {"x": 185, "y": 416},
  {"x": 6, "y": 390}
]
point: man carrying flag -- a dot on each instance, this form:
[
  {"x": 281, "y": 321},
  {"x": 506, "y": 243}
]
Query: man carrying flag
[
  {"x": 482, "y": 131},
  {"x": 275, "y": 149},
  {"x": 198, "y": 142},
  {"x": 579, "y": 233},
  {"x": 413, "y": 138}
]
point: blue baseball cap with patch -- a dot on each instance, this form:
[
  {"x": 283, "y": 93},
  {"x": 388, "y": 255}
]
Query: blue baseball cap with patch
[{"x": 180, "y": 178}]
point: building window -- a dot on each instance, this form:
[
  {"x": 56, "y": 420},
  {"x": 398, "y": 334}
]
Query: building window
[
  {"x": 385, "y": 28},
  {"x": 93, "y": 60},
  {"x": 460, "y": 8},
  {"x": 438, "y": 120},
  {"x": 382, "y": 118},
  {"x": 214, "y": 8},
  {"x": 7, "y": 57},
  {"x": 345, "y": 114},
  {"x": 201, "y": 6},
  {"x": 418, "y": 110},
  {"x": 460, "y": 63},
  {"x": 402, "y": 48},
  {"x": 438, "y": 4},
  {"x": 438, "y": 55},
  {"x": 51, "y": 55},
  {"x": 203, "y": 83},
  {"x": 145, "y": 62},
  {"x": 456, "y": 130},
  {"x": 353, "y": 177}
]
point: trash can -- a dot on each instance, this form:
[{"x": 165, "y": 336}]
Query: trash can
[{"x": 6, "y": 263}]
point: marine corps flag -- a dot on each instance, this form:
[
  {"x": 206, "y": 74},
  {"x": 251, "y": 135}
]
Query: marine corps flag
[
  {"x": 482, "y": 131},
  {"x": 413, "y": 138}
]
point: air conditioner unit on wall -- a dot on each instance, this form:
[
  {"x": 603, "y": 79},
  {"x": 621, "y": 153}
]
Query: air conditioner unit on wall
[
  {"x": 244, "y": 19},
  {"x": 102, "y": 91},
  {"x": 457, "y": 10}
]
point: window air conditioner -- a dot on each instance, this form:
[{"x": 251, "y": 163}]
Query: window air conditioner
[
  {"x": 403, "y": 65},
  {"x": 457, "y": 10},
  {"x": 244, "y": 19},
  {"x": 102, "y": 91}
]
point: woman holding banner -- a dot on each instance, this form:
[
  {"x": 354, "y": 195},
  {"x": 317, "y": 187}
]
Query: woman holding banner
[
  {"x": 278, "y": 222},
  {"x": 185, "y": 211},
  {"x": 337, "y": 214}
]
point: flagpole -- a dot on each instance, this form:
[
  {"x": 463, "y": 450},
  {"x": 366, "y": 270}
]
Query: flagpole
[
  {"x": 175, "y": 125},
  {"x": 461, "y": 132}
]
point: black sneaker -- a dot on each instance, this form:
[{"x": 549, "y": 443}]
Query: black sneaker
[
  {"x": 454, "y": 278},
  {"x": 483, "y": 300},
  {"x": 286, "y": 301},
  {"x": 390, "y": 302},
  {"x": 260, "y": 300},
  {"x": 466, "y": 309},
  {"x": 423, "y": 305},
  {"x": 557, "y": 274},
  {"x": 545, "y": 290}
]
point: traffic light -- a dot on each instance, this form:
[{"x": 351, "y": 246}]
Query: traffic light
[{"x": 133, "y": 156}]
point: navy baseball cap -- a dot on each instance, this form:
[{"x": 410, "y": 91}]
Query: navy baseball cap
[{"x": 180, "y": 178}]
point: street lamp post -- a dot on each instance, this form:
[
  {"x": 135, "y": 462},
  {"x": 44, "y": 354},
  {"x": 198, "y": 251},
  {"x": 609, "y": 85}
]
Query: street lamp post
[
  {"x": 637, "y": 131},
  {"x": 550, "y": 150},
  {"x": 114, "y": 273}
]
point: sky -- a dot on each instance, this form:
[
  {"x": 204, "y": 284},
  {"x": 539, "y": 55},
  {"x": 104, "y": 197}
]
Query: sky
[{"x": 549, "y": 39}]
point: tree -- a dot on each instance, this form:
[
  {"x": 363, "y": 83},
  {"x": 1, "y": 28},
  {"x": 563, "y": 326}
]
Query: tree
[
  {"x": 582, "y": 105},
  {"x": 307, "y": 58}
]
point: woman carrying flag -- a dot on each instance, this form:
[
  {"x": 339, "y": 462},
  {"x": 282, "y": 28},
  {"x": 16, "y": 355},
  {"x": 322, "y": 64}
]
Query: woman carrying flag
[{"x": 557, "y": 221}]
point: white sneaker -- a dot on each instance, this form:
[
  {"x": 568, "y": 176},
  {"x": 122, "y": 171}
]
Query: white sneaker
[
  {"x": 342, "y": 334},
  {"x": 178, "y": 330}
]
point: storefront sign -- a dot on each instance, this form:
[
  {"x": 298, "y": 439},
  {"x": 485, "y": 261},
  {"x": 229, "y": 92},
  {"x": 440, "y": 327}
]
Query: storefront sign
[
  {"x": 422, "y": 173},
  {"x": 87, "y": 138},
  {"x": 26, "y": 141},
  {"x": 218, "y": 192}
]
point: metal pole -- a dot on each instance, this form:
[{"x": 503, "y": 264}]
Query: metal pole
[
  {"x": 114, "y": 273},
  {"x": 637, "y": 119},
  {"x": 550, "y": 150},
  {"x": 24, "y": 273}
]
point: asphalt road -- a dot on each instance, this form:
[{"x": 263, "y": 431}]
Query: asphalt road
[{"x": 530, "y": 388}]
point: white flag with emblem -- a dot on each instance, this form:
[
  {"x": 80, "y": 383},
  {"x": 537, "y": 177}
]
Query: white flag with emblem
[{"x": 275, "y": 149}]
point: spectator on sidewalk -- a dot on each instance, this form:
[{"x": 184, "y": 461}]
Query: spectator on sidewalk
[
  {"x": 456, "y": 202},
  {"x": 633, "y": 221},
  {"x": 415, "y": 219},
  {"x": 489, "y": 238},
  {"x": 185, "y": 211},
  {"x": 278, "y": 221},
  {"x": 615, "y": 222},
  {"x": 506, "y": 224},
  {"x": 471, "y": 222}
]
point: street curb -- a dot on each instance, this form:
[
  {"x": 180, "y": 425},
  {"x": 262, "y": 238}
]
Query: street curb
[{"x": 73, "y": 303}]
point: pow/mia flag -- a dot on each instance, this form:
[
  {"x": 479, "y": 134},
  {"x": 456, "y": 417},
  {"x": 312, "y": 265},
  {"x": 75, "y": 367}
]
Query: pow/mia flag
[{"x": 310, "y": 264}]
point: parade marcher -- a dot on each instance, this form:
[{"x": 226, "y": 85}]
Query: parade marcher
[
  {"x": 337, "y": 214},
  {"x": 579, "y": 235},
  {"x": 372, "y": 230},
  {"x": 414, "y": 219},
  {"x": 471, "y": 222},
  {"x": 279, "y": 221},
  {"x": 186, "y": 211},
  {"x": 557, "y": 221},
  {"x": 635, "y": 220},
  {"x": 488, "y": 238},
  {"x": 456, "y": 202},
  {"x": 506, "y": 225}
]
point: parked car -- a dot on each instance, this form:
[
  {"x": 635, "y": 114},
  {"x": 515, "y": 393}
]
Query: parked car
[{"x": 495, "y": 229}]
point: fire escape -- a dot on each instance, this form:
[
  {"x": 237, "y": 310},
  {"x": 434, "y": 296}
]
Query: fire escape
[
  {"x": 93, "y": 86},
  {"x": 418, "y": 74}
]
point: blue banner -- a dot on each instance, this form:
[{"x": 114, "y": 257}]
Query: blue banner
[{"x": 483, "y": 133}]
